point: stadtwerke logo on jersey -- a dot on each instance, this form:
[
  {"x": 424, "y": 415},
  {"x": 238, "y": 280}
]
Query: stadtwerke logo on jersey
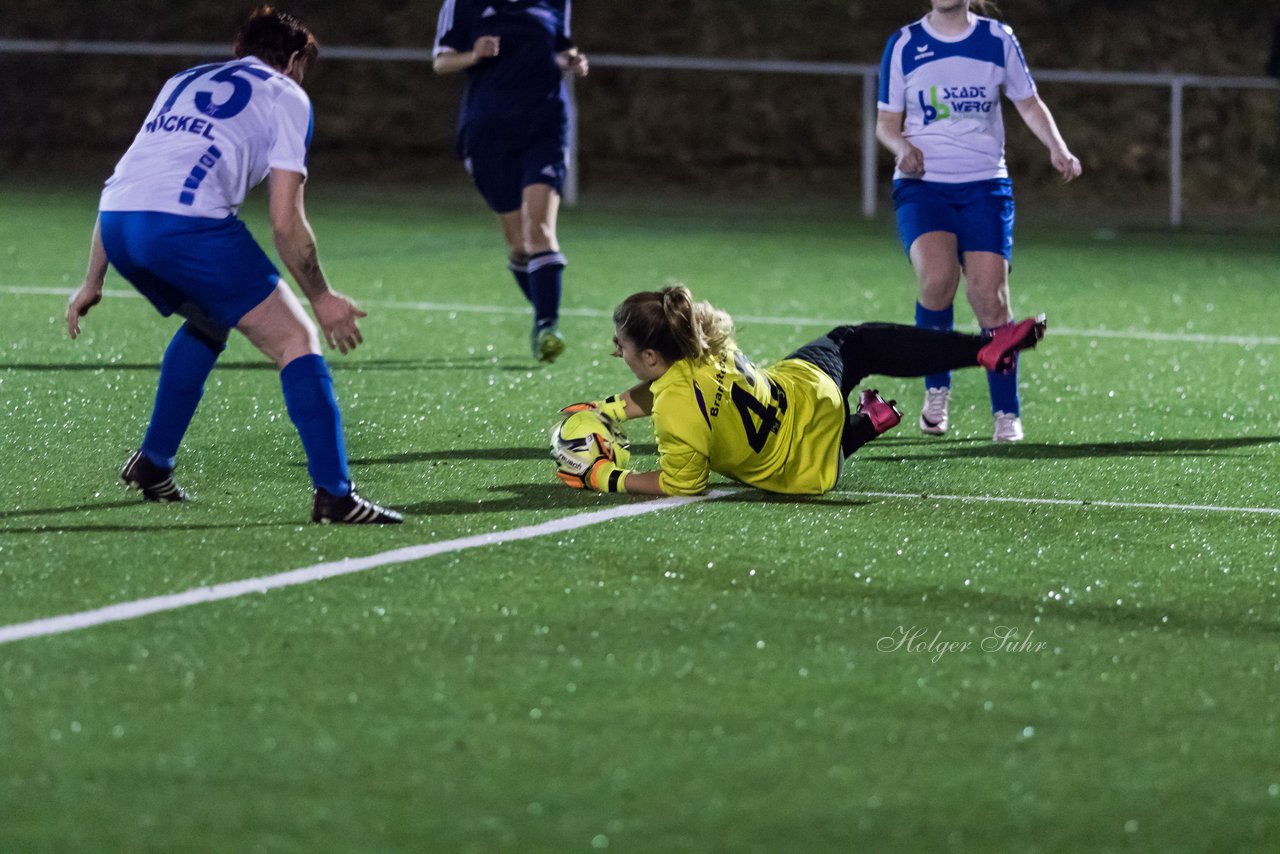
[{"x": 945, "y": 102}]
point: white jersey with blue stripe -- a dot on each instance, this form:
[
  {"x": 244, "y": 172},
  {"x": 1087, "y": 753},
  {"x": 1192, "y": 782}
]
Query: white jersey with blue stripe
[
  {"x": 214, "y": 132},
  {"x": 949, "y": 87}
]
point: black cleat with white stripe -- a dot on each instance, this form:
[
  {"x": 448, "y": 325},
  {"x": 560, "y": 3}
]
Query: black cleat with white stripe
[
  {"x": 350, "y": 509},
  {"x": 154, "y": 482}
]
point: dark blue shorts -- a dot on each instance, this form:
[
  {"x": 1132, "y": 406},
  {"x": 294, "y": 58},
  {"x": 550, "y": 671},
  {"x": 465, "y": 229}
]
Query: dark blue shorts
[
  {"x": 176, "y": 260},
  {"x": 979, "y": 213},
  {"x": 502, "y": 175}
]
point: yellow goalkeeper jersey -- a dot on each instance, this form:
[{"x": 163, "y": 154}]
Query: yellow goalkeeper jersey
[{"x": 776, "y": 428}]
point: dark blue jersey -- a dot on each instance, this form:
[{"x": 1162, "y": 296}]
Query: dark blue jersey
[{"x": 520, "y": 91}]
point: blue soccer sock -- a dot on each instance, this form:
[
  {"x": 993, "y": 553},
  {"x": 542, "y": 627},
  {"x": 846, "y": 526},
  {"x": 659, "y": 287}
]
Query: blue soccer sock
[
  {"x": 545, "y": 269},
  {"x": 518, "y": 264},
  {"x": 942, "y": 319},
  {"x": 308, "y": 395},
  {"x": 187, "y": 362},
  {"x": 1004, "y": 387}
]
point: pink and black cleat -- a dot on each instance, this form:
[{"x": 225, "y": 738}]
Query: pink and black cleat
[
  {"x": 883, "y": 414},
  {"x": 1000, "y": 354}
]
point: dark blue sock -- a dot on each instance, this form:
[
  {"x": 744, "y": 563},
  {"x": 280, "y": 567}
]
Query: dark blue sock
[
  {"x": 308, "y": 395},
  {"x": 519, "y": 267},
  {"x": 1004, "y": 387},
  {"x": 545, "y": 270},
  {"x": 944, "y": 319},
  {"x": 186, "y": 365}
]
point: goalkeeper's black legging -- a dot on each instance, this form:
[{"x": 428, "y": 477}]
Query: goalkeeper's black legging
[{"x": 849, "y": 354}]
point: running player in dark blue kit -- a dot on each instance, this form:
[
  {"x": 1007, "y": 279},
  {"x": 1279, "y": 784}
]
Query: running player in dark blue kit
[{"x": 512, "y": 132}]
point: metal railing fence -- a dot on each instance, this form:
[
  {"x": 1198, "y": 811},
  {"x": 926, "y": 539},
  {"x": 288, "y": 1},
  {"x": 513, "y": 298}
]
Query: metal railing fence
[{"x": 1177, "y": 84}]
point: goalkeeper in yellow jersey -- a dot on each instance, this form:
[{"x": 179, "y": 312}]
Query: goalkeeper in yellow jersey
[{"x": 784, "y": 428}]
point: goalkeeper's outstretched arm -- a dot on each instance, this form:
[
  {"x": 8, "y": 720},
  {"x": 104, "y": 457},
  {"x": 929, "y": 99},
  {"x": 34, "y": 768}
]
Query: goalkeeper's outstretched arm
[
  {"x": 635, "y": 402},
  {"x": 605, "y": 476},
  {"x": 644, "y": 483}
]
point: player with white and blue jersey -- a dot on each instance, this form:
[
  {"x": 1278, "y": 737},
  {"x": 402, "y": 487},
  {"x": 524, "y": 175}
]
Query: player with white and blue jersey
[
  {"x": 939, "y": 114},
  {"x": 513, "y": 132},
  {"x": 167, "y": 223}
]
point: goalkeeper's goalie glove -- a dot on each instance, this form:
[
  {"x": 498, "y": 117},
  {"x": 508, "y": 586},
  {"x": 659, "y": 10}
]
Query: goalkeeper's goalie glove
[
  {"x": 612, "y": 407},
  {"x": 602, "y": 476}
]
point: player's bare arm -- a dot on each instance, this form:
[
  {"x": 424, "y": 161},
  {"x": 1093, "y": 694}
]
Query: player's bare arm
[
  {"x": 1035, "y": 113},
  {"x": 296, "y": 243},
  {"x": 889, "y": 131},
  {"x": 645, "y": 483},
  {"x": 452, "y": 61},
  {"x": 90, "y": 292}
]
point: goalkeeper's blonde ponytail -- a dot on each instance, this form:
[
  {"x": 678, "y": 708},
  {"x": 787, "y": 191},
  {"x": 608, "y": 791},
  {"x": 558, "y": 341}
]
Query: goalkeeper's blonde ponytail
[{"x": 671, "y": 323}]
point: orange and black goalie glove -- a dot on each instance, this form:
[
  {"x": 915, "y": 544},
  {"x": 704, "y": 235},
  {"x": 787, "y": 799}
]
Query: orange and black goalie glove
[{"x": 603, "y": 475}]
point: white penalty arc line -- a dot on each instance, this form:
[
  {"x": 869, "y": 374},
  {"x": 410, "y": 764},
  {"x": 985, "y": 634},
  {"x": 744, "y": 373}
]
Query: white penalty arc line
[
  {"x": 470, "y": 308},
  {"x": 232, "y": 589},
  {"x": 1068, "y": 502}
]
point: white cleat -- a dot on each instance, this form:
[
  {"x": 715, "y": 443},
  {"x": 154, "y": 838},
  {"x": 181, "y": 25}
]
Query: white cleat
[
  {"x": 933, "y": 414},
  {"x": 1008, "y": 428}
]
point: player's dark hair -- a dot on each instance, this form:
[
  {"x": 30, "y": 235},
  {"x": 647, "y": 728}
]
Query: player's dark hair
[
  {"x": 273, "y": 37},
  {"x": 986, "y": 7},
  {"x": 671, "y": 323}
]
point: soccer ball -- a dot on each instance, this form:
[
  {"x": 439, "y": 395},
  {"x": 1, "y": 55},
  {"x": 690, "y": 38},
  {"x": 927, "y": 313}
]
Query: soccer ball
[{"x": 582, "y": 437}]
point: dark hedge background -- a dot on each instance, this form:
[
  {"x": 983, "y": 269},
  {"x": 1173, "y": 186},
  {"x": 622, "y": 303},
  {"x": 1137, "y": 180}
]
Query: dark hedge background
[{"x": 708, "y": 132}]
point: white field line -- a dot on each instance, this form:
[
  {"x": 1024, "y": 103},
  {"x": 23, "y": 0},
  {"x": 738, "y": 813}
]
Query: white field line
[
  {"x": 232, "y": 589},
  {"x": 1069, "y": 502},
  {"x": 468, "y": 308}
]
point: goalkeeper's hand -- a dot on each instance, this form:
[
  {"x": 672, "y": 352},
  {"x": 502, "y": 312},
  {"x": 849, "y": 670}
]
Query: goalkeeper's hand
[
  {"x": 613, "y": 407},
  {"x": 602, "y": 476}
]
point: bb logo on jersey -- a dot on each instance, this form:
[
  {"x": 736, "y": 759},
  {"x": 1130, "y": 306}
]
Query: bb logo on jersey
[{"x": 953, "y": 101}]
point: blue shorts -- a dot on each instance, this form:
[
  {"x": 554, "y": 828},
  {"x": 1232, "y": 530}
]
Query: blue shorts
[
  {"x": 176, "y": 260},
  {"x": 979, "y": 213}
]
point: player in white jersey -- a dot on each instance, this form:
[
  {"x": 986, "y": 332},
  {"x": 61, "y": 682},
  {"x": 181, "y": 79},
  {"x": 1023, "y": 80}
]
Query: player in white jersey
[
  {"x": 939, "y": 114},
  {"x": 167, "y": 223}
]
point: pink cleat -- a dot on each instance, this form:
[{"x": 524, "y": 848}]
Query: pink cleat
[
  {"x": 1000, "y": 353},
  {"x": 884, "y": 414}
]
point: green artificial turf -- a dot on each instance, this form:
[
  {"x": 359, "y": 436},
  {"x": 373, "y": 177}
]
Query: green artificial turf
[{"x": 729, "y": 675}]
